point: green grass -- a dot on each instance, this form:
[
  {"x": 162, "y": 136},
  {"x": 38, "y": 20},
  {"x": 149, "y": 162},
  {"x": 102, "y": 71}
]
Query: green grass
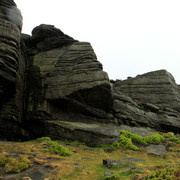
[{"x": 54, "y": 147}]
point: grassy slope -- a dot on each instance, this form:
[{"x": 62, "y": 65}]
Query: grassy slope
[{"x": 89, "y": 160}]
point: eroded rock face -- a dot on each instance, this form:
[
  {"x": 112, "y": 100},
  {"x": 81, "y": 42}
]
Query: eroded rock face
[
  {"x": 53, "y": 85},
  {"x": 157, "y": 87},
  {"x": 65, "y": 80},
  {"x": 12, "y": 68},
  {"x": 150, "y": 100}
]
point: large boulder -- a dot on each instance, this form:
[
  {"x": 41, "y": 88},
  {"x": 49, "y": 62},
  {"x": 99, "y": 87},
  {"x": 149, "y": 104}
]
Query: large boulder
[
  {"x": 12, "y": 67},
  {"x": 65, "y": 81}
]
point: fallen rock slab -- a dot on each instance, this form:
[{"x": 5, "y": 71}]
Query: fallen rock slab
[{"x": 155, "y": 149}]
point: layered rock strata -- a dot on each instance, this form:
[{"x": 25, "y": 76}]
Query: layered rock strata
[
  {"x": 149, "y": 100},
  {"x": 65, "y": 81},
  {"x": 11, "y": 71},
  {"x": 53, "y": 85},
  {"x": 157, "y": 87}
]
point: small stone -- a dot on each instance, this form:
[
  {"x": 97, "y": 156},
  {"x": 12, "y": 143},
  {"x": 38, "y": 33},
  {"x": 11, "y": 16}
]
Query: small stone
[
  {"x": 108, "y": 173},
  {"x": 110, "y": 163},
  {"x": 77, "y": 164}
]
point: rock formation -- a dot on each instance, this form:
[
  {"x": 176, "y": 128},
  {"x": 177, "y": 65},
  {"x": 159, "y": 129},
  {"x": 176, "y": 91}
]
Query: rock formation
[
  {"x": 53, "y": 85},
  {"x": 12, "y": 67},
  {"x": 158, "y": 88},
  {"x": 65, "y": 82},
  {"x": 151, "y": 100}
]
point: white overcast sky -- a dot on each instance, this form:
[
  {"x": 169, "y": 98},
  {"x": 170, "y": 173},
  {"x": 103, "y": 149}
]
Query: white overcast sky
[{"x": 129, "y": 37}]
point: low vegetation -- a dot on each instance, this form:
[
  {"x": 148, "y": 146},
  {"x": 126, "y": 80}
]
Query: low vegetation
[
  {"x": 54, "y": 147},
  {"x": 69, "y": 160},
  {"x": 126, "y": 139},
  {"x": 168, "y": 173},
  {"x": 15, "y": 165}
]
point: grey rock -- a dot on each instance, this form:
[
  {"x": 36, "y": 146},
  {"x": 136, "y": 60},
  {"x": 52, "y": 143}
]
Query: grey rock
[
  {"x": 156, "y": 109},
  {"x": 53, "y": 85},
  {"x": 158, "y": 88},
  {"x": 156, "y": 149},
  {"x": 108, "y": 173},
  {"x": 65, "y": 83},
  {"x": 111, "y": 163},
  {"x": 7, "y": 3},
  {"x": 92, "y": 134},
  {"x": 77, "y": 165},
  {"x": 46, "y": 37},
  {"x": 9, "y": 12},
  {"x": 12, "y": 68}
]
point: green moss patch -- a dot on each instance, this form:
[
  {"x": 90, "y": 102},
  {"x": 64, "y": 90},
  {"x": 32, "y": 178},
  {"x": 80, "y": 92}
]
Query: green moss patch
[
  {"x": 54, "y": 147},
  {"x": 126, "y": 139}
]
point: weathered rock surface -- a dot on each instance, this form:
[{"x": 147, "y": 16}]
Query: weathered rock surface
[
  {"x": 53, "y": 85},
  {"x": 90, "y": 133},
  {"x": 155, "y": 149},
  {"x": 141, "y": 101},
  {"x": 111, "y": 163},
  {"x": 12, "y": 67},
  {"x": 157, "y": 87},
  {"x": 46, "y": 37},
  {"x": 65, "y": 83}
]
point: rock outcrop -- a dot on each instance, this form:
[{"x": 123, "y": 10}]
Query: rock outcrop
[
  {"x": 53, "y": 85},
  {"x": 150, "y": 100},
  {"x": 158, "y": 88},
  {"x": 12, "y": 67},
  {"x": 65, "y": 82}
]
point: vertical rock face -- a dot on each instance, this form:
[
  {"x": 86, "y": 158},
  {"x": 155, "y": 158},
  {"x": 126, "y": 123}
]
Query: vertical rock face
[
  {"x": 11, "y": 70},
  {"x": 65, "y": 81}
]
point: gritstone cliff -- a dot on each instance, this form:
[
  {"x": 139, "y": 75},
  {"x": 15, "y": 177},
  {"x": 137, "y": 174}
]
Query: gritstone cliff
[{"x": 53, "y": 85}]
